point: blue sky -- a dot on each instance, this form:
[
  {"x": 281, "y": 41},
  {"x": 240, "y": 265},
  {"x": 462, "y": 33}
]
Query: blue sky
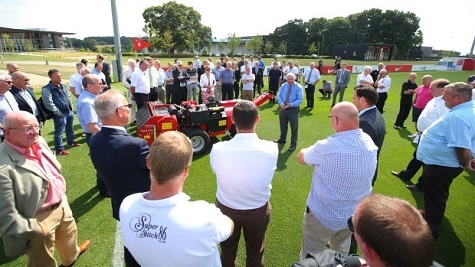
[{"x": 448, "y": 26}]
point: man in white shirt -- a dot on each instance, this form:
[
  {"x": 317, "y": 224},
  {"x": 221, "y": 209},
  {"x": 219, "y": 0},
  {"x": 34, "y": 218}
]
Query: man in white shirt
[
  {"x": 244, "y": 168},
  {"x": 140, "y": 84},
  {"x": 163, "y": 227},
  {"x": 383, "y": 86},
  {"x": 126, "y": 80},
  {"x": 97, "y": 70},
  {"x": 74, "y": 78},
  {"x": 290, "y": 69},
  {"x": 248, "y": 84},
  {"x": 312, "y": 76},
  {"x": 152, "y": 76}
]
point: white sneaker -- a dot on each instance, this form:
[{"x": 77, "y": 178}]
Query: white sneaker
[
  {"x": 412, "y": 135},
  {"x": 416, "y": 139}
]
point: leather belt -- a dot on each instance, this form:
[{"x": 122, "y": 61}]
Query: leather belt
[{"x": 52, "y": 207}]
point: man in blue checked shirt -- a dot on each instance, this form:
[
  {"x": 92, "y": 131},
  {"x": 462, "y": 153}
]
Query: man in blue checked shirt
[
  {"x": 289, "y": 98},
  {"x": 344, "y": 167}
]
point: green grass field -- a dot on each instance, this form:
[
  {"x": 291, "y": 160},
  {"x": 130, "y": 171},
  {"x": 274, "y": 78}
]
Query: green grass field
[{"x": 456, "y": 245}]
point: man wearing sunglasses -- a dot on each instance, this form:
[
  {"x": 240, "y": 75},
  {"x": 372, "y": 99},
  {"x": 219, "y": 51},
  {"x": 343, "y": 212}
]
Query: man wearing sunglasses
[{"x": 7, "y": 100}]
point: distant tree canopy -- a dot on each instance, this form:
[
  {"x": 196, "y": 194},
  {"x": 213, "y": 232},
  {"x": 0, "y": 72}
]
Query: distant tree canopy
[
  {"x": 183, "y": 22},
  {"x": 175, "y": 27},
  {"x": 370, "y": 26}
]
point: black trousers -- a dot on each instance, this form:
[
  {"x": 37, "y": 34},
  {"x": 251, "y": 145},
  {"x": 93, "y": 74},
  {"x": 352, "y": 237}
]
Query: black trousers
[
  {"x": 436, "y": 181},
  {"x": 412, "y": 168},
  {"x": 236, "y": 90},
  {"x": 404, "y": 110},
  {"x": 286, "y": 117},
  {"x": 227, "y": 91},
  {"x": 140, "y": 100},
  {"x": 381, "y": 101},
  {"x": 310, "y": 93},
  {"x": 168, "y": 93}
]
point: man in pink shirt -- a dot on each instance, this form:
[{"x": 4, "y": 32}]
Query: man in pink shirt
[
  {"x": 423, "y": 96},
  {"x": 39, "y": 218}
]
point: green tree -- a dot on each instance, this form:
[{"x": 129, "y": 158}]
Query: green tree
[
  {"x": 255, "y": 44},
  {"x": 268, "y": 48},
  {"x": 9, "y": 43},
  {"x": 388, "y": 27},
  {"x": 183, "y": 22},
  {"x": 167, "y": 42},
  {"x": 312, "y": 48},
  {"x": 221, "y": 46},
  {"x": 233, "y": 43},
  {"x": 29, "y": 47},
  {"x": 337, "y": 32},
  {"x": 293, "y": 34},
  {"x": 281, "y": 49}
]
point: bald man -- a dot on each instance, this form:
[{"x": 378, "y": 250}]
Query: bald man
[{"x": 344, "y": 167}]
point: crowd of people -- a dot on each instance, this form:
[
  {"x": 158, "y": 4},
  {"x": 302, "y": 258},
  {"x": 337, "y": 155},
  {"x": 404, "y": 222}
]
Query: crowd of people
[{"x": 146, "y": 190}]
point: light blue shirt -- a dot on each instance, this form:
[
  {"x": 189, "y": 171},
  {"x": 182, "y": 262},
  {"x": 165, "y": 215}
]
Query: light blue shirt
[
  {"x": 455, "y": 129},
  {"x": 296, "y": 95},
  {"x": 85, "y": 110},
  {"x": 161, "y": 77},
  {"x": 344, "y": 167},
  {"x": 217, "y": 72}
]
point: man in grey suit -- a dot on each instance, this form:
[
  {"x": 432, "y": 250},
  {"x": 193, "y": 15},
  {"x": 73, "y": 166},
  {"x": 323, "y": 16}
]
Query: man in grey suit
[
  {"x": 371, "y": 120},
  {"x": 343, "y": 77}
]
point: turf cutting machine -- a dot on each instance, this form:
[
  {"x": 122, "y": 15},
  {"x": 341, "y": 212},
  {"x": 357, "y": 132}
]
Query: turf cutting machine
[{"x": 197, "y": 121}]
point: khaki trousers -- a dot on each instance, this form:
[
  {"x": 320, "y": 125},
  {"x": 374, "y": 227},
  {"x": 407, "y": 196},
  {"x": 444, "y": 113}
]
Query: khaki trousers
[
  {"x": 57, "y": 228},
  {"x": 316, "y": 236}
]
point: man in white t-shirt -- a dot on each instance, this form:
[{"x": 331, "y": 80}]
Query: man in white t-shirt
[
  {"x": 244, "y": 168},
  {"x": 163, "y": 227},
  {"x": 74, "y": 78},
  {"x": 290, "y": 69}
]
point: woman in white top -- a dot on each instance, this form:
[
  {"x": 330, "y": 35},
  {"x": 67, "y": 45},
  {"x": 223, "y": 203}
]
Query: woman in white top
[
  {"x": 364, "y": 78},
  {"x": 207, "y": 83}
]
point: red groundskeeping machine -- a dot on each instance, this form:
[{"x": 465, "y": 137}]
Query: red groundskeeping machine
[{"x": 198, "y": 121}]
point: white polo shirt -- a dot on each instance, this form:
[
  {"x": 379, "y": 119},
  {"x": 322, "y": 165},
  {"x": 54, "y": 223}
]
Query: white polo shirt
[
  {"x": 386, "y": 83},
  {"x": 244, "y": 168},
  {"x": 173, "y": 231},
  {"x": 141, "y": 82}
]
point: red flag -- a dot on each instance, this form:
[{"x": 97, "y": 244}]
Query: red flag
[{"x": 140, "y": 44}]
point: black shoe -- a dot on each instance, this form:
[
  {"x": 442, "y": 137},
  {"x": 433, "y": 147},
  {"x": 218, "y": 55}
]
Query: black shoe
[
  {"x": 310, "y": 108},
  {"x": 396, "y": 127},
  {"x": 403, "y": 127},
  {"x": 415, "y": 187},
  {"x": 292, "y": 148},
  {"x": 306, "y": 107},
  {"x": 278, "y": 141},
  {"x": 400, "y": 176},
  {"x": 105, "y": 193}
]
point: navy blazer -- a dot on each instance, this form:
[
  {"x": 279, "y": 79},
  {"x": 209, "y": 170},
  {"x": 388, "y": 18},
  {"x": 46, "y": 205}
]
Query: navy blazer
[
  {"x": 120, "y": 160},
  {"x": 23, "y": 105},
  {"x": 372, "y": 123}
]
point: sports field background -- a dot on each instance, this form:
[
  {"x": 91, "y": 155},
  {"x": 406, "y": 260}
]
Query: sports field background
[{"x": 456, "y": 245}]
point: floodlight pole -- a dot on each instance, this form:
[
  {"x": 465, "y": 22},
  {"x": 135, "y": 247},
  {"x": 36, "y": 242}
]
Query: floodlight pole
[
  {"x": 118, "y": 52},
  {"x": 471, "y": 50}
]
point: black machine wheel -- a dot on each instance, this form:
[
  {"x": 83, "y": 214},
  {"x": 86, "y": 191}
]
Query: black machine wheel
[{"x": 199, "y": 140}]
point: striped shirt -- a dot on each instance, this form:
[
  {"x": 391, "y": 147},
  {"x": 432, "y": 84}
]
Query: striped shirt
[{"x": 344, "y": 167}]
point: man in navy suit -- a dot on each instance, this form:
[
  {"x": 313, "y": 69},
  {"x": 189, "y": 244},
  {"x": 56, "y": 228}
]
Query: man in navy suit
[
  {"x": 120, "y": 159},
  {"x": 25, "y": 97},
  {"x": 371, "y": 120}
]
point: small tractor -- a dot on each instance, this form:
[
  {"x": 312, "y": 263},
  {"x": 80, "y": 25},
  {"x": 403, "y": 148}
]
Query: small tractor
[{"x": 197, "y": 121}]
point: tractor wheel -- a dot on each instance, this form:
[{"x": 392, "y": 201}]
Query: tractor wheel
[
  {"x": 233, "y": 130},
  {"x": 199, "y": 140}
]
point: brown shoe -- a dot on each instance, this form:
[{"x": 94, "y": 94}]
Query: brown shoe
[
  {"x": 62, "y": 152},
  {"x": 82, "y": 248},
  {"x": 74, "y": 144}
]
